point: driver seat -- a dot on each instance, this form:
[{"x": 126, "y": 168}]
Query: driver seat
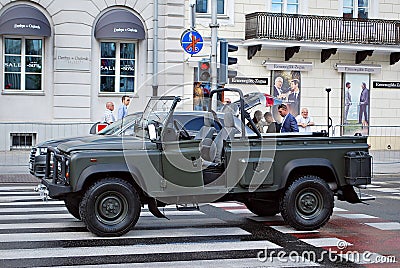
[
  {"x": 215, "y": 148},
  {"x": 207, "y": 130}
]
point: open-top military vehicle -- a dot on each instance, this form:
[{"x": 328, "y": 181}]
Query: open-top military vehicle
[{"x": 105, "y": 181}]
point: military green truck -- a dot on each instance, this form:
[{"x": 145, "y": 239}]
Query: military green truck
[{"x": 105, "y": 181}]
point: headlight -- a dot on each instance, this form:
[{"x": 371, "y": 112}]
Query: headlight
[{"x": 41, "y": 151}]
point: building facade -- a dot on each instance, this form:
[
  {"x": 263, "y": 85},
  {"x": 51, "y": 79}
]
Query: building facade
[{"x": 62, "y": 61}]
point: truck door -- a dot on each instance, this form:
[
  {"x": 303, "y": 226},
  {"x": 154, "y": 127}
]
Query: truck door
[{"x": 182, "y": 168}]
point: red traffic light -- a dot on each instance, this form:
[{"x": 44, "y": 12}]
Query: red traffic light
[{"x": 205, "y": 66}]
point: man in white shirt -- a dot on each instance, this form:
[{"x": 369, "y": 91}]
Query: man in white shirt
[
  {"x": 304, "y": 121},
  {"x": 108, "y": 114}
]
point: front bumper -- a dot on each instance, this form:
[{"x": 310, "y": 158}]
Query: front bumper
[{"x": 56, "y": 190}]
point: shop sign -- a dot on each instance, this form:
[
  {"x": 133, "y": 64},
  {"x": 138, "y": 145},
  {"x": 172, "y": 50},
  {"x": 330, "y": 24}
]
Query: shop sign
[
  {"x": 123, "y": 30},
  {"x": 28, "y": 26},
  {"x": 248, "y": 81},
  {"x": 286, "y": 66},
  {"x": 371, "y": 69},
  {"x": 72, "y": 59},
  {"x": 377, "y": 84}
]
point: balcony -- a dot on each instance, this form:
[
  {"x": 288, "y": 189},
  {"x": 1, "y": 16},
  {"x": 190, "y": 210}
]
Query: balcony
[{"x": 331, "y": 32}]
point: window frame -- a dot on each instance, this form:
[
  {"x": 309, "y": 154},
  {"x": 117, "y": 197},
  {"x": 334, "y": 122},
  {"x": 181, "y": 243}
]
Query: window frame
[
  {"x": 355, "y": 9},
  {"x": 208, "y": 13},
  {"x": 117, "y": 73},
  {"x": 23, "y": 71},
  {"x": 284, "y": 4}
]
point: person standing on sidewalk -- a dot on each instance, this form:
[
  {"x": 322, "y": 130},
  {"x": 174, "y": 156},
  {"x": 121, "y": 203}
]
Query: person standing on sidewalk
[
  {"x": 108, "y": 116},
  {"x": 123, "y": 109},
  {"x": 289, "y": 123}
]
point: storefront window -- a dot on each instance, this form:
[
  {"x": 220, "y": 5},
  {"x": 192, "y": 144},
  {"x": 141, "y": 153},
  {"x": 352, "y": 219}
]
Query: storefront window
[
  {"x": 23, "y": 64},
  {"x": 117, "y": 67}
]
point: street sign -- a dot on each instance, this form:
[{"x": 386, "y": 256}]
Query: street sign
[{"x": 191, "y": 41}]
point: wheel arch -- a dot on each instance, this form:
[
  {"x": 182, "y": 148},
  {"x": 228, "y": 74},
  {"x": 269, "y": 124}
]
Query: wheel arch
[
  {"x": 97, "y": 172},
  {"x": 319, "y": 167}
]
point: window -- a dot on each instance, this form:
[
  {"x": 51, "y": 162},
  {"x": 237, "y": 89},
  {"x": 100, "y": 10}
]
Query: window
[
  {"x": 285, "y": 6},
  {"x": 117, "y": 67},
  {"x": 204, "y": 6},
  {"x": 355, "y": 9},
  {"x": 23, "y": 64},
  {"x": 22, "y": 141}
]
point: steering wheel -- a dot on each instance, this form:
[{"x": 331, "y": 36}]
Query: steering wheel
[{"x": 183, "y": 133}]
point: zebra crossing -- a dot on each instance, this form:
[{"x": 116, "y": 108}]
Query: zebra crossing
[{"x": 34, "y": 233}]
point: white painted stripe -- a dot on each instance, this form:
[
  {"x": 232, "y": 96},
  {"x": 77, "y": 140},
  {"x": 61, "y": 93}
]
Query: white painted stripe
[
  {"x": 44, "y": 225},
  {"x": 240, "y": 211},
  {"x": 19, "y": 198},
  {"x": 326, "y": 242},
  {"x": 290, "y": 230},
  {"x": 335, "y": 209},
  {"x": 32, "y": 203},
  {"x": 386, "y": 190},
  {"x": 36, "y": 216},
  {"x": 134, "y": 234},
  {"x": 76, "y": 252},
  {"x": 373, "y": 186},
  {"x": 386, "y": 226},
  {"x": 34, "y": 209},
  {"x": 143, "y": 222},
  {"x": 266, "y": 218},
  {"x": 226, "y": 204},
  {"x": 67, "y": 216},
  {"x": 17, "y": 188},
  {"x": 294, "y": 261},
  {"x": 30, "y": 193},
  {"x": 356, "y": 216}
]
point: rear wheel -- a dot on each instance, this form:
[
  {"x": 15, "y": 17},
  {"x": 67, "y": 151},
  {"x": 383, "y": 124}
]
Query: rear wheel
[
  {"x": 110, "y": 207},
  {"x": 263, "y": 207},
  {"x": 307, "y": 203}
]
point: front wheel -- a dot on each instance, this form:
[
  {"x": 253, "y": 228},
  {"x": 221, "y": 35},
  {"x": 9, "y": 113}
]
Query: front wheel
[
  {"x": 110, "y": 207},
  {"x": 307, "y": 203}
]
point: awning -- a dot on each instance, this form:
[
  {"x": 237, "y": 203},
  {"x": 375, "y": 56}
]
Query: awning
[
  {"x": 119, "y": 24},
  {"x": 24, "y": 20}
]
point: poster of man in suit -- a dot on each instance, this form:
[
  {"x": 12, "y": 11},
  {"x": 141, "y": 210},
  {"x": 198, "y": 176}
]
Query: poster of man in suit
[
  {"x": 287, "y": 87},
  {"x": 355, "y": 103}
]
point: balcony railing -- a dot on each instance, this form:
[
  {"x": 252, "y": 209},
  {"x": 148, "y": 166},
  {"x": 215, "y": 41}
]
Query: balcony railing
[{"x": 262, "y": 25}]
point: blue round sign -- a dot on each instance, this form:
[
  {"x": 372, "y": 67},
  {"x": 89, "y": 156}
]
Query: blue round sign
[{"x": 191, "y": 41}]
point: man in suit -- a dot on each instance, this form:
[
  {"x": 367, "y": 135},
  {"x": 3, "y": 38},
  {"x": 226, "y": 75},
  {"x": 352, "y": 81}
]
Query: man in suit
[
  {"x": 289, "y": 123},
  {"x": 294, "y": 97}
]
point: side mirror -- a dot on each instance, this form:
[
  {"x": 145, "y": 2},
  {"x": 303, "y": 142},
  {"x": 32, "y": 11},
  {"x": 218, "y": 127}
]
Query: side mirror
[{"x": 152, "y": 132}]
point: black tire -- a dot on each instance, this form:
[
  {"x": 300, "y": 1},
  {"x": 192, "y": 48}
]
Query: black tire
[
  {"x": 263, "y": 208},
  {"x": 72, "y": 205},
  {"x": 307, "y": 204},
  {"x": 110, "y": 207}
]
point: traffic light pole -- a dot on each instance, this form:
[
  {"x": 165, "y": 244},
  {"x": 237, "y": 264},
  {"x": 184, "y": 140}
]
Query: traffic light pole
[{"x": 214, "y": 43}]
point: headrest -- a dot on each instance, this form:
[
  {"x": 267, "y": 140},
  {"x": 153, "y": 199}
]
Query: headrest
[
  {"x": 229, "y": 120},
  {"x": 231, "y": 108},
  {"x": 208, "y": 119}
]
